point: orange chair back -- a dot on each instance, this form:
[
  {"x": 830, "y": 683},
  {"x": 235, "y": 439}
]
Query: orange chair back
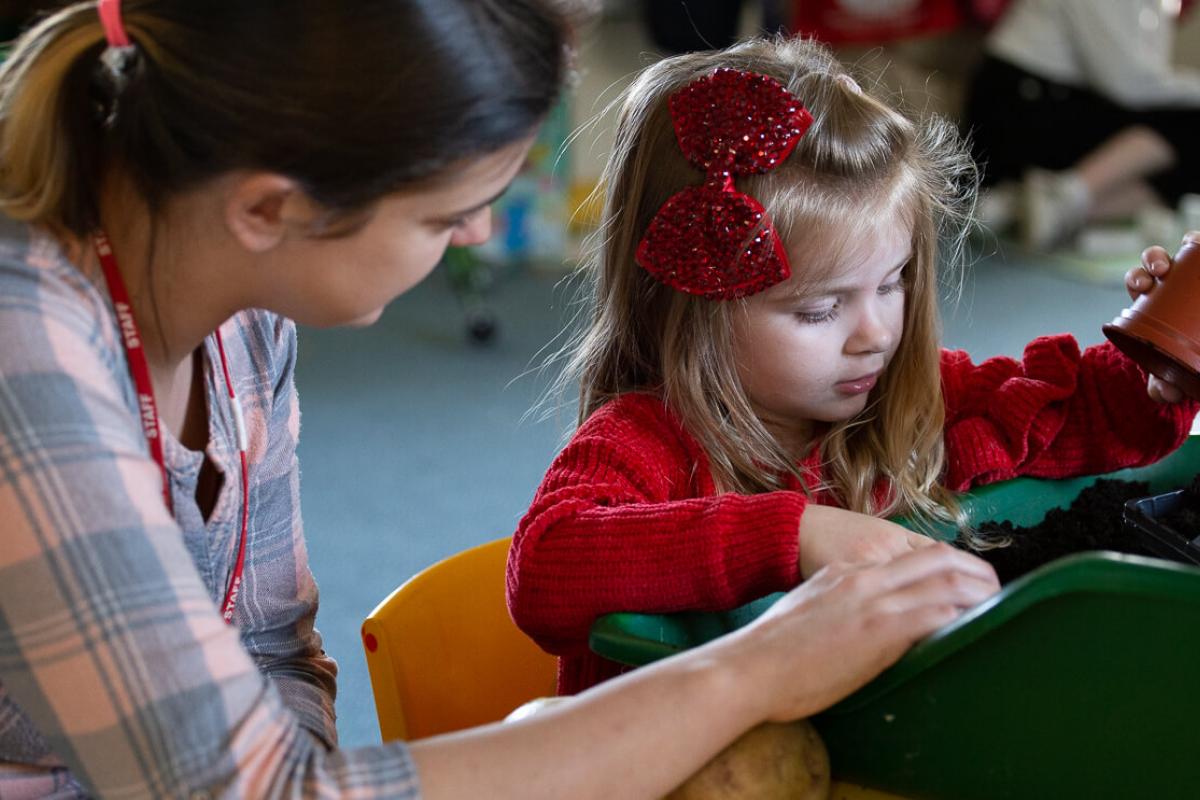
[{"x": 445, "y": 655}]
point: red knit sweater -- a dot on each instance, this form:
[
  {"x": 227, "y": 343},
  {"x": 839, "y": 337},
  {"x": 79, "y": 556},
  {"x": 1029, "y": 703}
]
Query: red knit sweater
[{"x": 627, "y": 518}]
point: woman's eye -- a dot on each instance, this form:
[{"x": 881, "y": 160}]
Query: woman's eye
[
  {"x": 891, "y": 288},
  {"x": 461, "y": 221}
]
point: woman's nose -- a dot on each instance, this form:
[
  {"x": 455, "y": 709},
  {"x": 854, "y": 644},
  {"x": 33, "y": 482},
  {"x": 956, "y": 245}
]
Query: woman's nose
[{"x": 477, "y": 230}]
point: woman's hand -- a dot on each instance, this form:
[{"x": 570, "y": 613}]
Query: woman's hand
[
  {"x": 838, "y": 630},
  {"x": 1156, "y": 262},
  {"x": 830, "y": 535}
]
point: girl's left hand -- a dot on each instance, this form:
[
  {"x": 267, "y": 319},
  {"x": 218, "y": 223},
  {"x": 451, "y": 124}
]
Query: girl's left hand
[{"x": 1156, "y": 262}]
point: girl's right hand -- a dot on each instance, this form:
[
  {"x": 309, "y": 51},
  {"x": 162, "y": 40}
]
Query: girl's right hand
[
  {"x": 831, "y": 535},
  {"x": 835, "y": 632},
  {"x": 1156, "y": 263}
]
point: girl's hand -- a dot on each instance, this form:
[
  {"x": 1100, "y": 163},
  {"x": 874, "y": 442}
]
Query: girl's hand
[
  {"x": 1156, "y": 262},
  {"x": 830, "y": 535},
  {"x": 839, "y": 629}
]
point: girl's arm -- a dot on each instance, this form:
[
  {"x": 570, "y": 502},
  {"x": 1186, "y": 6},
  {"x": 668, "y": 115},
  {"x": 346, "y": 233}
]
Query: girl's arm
[
  {"x": 1056, "y": 413},
  {"x": 626, "y": 519},
  {"x": 643, "y": 733}
]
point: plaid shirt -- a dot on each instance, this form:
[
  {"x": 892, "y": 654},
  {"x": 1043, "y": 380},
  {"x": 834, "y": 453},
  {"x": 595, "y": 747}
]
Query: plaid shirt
[{"x": 117, "y": 676}]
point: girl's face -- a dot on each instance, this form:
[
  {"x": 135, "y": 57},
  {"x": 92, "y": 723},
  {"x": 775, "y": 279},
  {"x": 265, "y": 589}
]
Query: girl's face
[
  {"x": 349, "y": 280},
  {"x": 813, "y": 353}
]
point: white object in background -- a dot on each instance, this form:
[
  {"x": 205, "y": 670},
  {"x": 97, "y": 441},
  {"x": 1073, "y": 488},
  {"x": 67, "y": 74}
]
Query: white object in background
[
  {"x": 1159, "y": 225},
  {"x": 1107, "y": 241},
  {"x": 1189, "y": 212}
]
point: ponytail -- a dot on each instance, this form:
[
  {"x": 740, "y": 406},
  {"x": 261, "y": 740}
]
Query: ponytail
[{"x": 49, "y": 137}]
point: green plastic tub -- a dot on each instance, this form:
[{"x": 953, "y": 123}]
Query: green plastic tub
[{"x": 1073, "y": 682}]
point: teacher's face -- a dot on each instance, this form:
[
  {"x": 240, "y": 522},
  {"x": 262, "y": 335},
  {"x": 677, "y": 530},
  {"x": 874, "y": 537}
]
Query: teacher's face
[{"x": 350, "y": 279}]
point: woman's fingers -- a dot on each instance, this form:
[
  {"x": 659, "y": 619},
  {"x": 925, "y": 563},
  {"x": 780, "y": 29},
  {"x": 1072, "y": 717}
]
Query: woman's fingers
[
  {"x": 926, "y": 561},
  {"x": 958, "y": 590},
  {"x": 917, "y": 541},
  {"x": 866, "y": 614}
]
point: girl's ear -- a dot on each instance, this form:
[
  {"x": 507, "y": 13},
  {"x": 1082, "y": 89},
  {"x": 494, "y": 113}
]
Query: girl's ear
[{"x": 260, "y": 208}]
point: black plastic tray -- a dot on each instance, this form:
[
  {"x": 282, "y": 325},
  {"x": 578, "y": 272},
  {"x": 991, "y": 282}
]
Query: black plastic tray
[{"x": 1143, "y": 516}]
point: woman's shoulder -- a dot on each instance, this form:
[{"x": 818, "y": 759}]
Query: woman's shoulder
[
  {"x": 263, "y": 341},
  {"x": 46, "y": 297}
]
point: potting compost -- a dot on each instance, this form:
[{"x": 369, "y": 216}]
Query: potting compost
[{"x": 1094, "y": 521}]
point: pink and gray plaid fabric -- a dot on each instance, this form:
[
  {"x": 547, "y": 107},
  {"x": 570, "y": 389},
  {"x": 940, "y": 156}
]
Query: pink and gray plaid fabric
[{"x": 117, "y": 676}]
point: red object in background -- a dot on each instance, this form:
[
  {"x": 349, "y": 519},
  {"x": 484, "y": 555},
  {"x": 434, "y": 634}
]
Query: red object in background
[
  {"x": 987, "y": 12},
  {"x": 874, "y": 21}
]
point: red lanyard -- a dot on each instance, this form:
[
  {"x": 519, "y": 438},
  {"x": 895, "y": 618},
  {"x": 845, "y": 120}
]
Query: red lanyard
[{"x": 139, "y": 369}]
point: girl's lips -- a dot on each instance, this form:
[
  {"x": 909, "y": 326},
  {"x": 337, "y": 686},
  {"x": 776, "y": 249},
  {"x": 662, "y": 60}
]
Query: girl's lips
[{"x": 860, "y": 385}]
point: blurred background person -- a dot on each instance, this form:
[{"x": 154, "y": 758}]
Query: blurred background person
[{"x": 1078, "y": 115}]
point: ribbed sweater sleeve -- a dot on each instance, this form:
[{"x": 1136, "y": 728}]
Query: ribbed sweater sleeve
[
  {"x": 626, "y": 520},
  {"x": 1056, "y": 413}
]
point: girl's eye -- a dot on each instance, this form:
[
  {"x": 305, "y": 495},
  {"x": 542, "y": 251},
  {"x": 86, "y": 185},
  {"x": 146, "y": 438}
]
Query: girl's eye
[
  {"x": 817, "y": 317},
  {"x": 891, "y": 288}
]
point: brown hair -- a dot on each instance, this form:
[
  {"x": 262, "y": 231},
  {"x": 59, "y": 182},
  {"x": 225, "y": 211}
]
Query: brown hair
[
  {"x": 859, "y": 160},
  {"x": 352, "y": 99}
]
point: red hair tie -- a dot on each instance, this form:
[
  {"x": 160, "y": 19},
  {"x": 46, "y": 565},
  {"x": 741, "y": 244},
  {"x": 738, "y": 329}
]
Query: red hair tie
[
  {"x": 114, "y": 28},
  {"x": 712, "y": 240}
]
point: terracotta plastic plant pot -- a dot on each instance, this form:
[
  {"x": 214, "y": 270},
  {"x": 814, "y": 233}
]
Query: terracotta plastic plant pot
[{"x": 1161, "y": 330}]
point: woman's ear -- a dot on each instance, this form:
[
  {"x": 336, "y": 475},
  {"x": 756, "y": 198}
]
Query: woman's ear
[{"x": 260, "y": 207}]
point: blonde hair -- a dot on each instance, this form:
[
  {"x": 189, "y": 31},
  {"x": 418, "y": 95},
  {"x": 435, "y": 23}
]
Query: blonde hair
[{"x": 858, "y": 160}]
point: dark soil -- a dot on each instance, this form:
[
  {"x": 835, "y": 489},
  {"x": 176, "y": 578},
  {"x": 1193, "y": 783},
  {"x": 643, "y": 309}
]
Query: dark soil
[{"x": 1095, "y": 521}]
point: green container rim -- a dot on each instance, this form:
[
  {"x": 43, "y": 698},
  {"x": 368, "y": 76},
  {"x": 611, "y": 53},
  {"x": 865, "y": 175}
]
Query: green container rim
[
  {"x": 1082, "y": 573},
  {"x": 635, "y": 639}
]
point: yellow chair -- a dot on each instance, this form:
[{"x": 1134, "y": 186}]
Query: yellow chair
[{"x": 444, "y": 654}]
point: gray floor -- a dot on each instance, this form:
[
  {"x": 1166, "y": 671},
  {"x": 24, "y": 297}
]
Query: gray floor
[{"x": 416, "y": 445}]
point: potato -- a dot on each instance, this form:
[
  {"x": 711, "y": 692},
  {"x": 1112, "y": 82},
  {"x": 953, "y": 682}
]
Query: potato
[{"x": 770, "y": 762}]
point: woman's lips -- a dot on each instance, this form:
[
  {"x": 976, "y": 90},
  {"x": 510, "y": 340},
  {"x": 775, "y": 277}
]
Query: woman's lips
[{"x": 860, "y": 385}]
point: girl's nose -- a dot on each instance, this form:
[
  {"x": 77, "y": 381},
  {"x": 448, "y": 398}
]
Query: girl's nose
[
  {"x": 477, "y": 231},
  {"x": 872, "y": 333}
]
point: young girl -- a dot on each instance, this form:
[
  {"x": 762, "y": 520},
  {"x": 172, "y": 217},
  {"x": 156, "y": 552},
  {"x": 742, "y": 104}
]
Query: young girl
[{"x": 759, "y": 389}]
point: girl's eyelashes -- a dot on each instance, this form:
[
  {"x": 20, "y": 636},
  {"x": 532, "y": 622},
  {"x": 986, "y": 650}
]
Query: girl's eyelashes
[{"x": 816, "y": 317}]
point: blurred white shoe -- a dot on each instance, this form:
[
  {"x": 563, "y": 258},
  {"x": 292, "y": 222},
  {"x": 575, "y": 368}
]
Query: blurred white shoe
[{"x": 1053, "y": 207}]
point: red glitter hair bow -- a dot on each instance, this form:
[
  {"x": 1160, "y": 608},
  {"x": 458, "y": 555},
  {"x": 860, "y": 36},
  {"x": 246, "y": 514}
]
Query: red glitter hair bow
[{"x": 712, "y": 240}]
